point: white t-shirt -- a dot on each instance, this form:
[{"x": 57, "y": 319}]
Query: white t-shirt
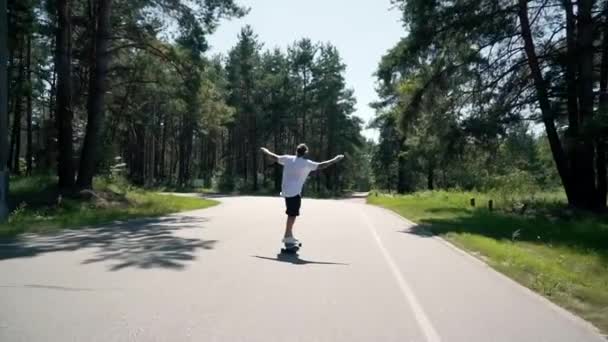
[{"x": 295, "y": 171}]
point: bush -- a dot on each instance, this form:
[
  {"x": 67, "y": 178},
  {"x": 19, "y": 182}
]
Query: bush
[{"x": 514, "y": 185}]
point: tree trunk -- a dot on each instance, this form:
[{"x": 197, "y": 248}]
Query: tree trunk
[
  {"x": 144, "y": 157},
  {"x": 29, "y": 148},
  {"x": 602, "y": 187},
  {"x": 163, "y": 144},
  {"x": 17, "y": 115},
  {"x": 402, "y": 185},
  {"x": 174, "y": 160},
  {"x": 50, "y": 128},
  {"x": 10, "y": 134},
  {"x": 136, "y": 154},
  {"x": 9, "y": 76},
  {"x": 243, "y": 158},
  {"x": 3, "y": 113},
  {"x": 202, "y": 162},
  {"x": 254, "y": 152},
  {"x": 64, "y": 115},
  {"x": 430, "y": 177},
  {"x": 575, "y": 145},
  {"x": 155, "y": 138},
  {"x": 401, "y": 176},
  {"x": 213, "y": 160},
  {"x": 541, "y": 93},
  {"x": 264, "y": 176},
  {"x": 571, "y": 66},
  {"x": 583, "y": 161},
  {"x": 97, "y": 89},
  {"x": 585, "y": 58},
  {"x": 185, "y": 149},
  {"x": 171, "y": 162}
]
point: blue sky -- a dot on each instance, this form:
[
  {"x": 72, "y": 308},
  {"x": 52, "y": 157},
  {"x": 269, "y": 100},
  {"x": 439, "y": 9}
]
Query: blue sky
[{"x": 362, "y": 30}]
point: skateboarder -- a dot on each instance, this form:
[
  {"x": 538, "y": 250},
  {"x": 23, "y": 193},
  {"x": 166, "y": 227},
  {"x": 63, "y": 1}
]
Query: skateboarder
[{"x": 295, "y": 171}]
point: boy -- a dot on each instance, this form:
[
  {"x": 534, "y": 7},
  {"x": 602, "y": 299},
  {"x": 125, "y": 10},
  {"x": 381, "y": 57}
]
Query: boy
[{"x": 295, "y": 171}]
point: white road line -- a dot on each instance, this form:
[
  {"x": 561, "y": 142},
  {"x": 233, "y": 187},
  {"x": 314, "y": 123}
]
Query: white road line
[
  {"x": 583, "y": 324},
  {"x": 421, "y": 317}
]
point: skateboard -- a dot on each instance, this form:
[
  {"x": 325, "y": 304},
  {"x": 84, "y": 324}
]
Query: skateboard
[{"x": 291, "y": 248}]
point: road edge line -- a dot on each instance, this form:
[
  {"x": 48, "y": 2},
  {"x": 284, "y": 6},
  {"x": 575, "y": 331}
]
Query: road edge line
[
  {"x": 582, "y": 323},
  {"x": 424, "y": 322}
]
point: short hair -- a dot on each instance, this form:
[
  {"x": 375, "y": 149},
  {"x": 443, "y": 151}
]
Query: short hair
[{"x": 301, "y": 150}]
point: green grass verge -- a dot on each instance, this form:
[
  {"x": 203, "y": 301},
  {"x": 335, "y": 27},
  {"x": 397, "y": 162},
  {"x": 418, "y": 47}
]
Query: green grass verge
[
  {"x": 563, "y": 258},
  {"x": 36, "y": 208}
]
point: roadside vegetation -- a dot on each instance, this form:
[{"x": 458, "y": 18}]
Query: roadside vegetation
[
  {"x": 554, "y": 251},
  {"x": 38, "y": 206}
]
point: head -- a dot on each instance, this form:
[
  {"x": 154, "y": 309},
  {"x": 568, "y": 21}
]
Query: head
[{"x": 301, "y": 150}]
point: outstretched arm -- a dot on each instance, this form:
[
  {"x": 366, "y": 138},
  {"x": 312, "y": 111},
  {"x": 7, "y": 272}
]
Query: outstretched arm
[
  {"x": 330, "y": 162},
  {"x": 271, "y": 155}
]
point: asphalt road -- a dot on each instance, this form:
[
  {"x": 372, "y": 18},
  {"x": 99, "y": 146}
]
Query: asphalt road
[{"x": 214, "y": 275}]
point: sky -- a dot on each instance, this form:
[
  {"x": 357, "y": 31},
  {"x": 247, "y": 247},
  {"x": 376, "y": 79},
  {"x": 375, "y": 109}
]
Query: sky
[{"x": 362, "y": 30}]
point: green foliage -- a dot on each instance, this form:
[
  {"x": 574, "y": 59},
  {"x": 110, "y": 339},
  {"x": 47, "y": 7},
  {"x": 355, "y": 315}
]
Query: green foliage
[
  {"x": 42, "y": 210},
  {"x": 284, "y": 98},
  {"x": 173, "y": 114},
  {"x": 460, "y": 80},
  {"x": 513, "y": 185},
  {"x": 562, "y": 257},
  {"x": 518, "y": 163}
]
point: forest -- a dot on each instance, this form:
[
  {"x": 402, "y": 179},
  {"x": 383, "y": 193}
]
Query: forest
[
  {"x": 478, "y": 95},
  {"x": 497, "y": 94},
  {"x": 97, "y": 87}
]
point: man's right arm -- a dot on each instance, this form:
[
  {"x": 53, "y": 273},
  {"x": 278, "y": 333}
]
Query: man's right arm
[
  {"x": 271, "y": 155},
  {"x": 330, "y": 162}
]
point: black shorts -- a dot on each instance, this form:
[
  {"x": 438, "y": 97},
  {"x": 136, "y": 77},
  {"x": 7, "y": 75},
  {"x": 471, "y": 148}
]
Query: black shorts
[{"x": 293, "y": 205}]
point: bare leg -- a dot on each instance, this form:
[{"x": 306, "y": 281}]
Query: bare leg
[{"x": 289, "y": 226}]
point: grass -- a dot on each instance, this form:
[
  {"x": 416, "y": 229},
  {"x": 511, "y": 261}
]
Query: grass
[
  {"x": 560, "y": 254},
  {"x": 183, "y": 189},
  {"x": 37, "y": 208}
]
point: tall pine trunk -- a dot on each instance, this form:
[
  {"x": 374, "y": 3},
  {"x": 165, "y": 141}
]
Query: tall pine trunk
[
  {"x": 163, "y": 146},
  {"x": 543, "y": 99},
  {"x": 17, "y": 114},
  {"x": 3, "y": 113},
  {"x": 97, "y": 89},
  {"x": 583, "y": 161},
  {"x": 49, "y": 127},
  {"x": 402, "y": 185},
  {"x": 29, "y": 147},
  {"x": 602, "y": 186},
  {"x": 578, "y": 167},
  {"x": 64, "y": 115},
  {"x": 185, "y": 150},
  {"x": 571, "y": 66},
  {"x": 430, "y": 177},
  {"x": 253, "y": 146},
  {"x": 174, "y": 162}
]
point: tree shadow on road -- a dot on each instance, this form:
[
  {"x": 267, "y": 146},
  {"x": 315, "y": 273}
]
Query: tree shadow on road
[
  {"x": 148, "y": 243},
  {"x": 295, "y": 259},
  {"x": 420, "y": 230}
]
